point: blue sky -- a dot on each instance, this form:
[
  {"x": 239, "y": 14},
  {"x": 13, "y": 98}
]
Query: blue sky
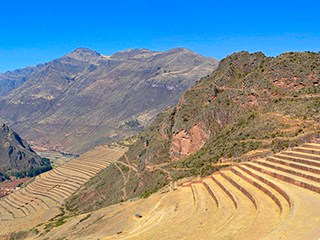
[{"x": 34, "y": 31}]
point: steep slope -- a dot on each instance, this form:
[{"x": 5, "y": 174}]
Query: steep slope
[
  {"x": 251, "y": 106},
  {"x": 16, "y": 156},
  {"x": 84, "y": 98}
]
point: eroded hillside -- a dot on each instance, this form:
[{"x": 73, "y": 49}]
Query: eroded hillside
[{"x": 250, "y": 107}]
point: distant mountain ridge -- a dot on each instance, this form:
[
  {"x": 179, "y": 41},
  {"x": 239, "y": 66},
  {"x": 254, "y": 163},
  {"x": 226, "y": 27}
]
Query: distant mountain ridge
[
  {"x": 85, "y": 98},
  {"x": 13, "y": 79}
]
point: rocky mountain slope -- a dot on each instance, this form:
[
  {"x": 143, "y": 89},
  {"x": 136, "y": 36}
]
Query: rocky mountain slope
[
  {"x": 16, "y": 156},
  {"x": 250, "y": 107},
  {"x": 13, "y": 79},
  {"x": 84, "y": 98}
]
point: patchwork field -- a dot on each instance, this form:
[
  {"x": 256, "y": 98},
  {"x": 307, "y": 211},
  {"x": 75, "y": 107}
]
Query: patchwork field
[
  {"x": 272, "y": 198},
  {"x": 42, "y": 199}
]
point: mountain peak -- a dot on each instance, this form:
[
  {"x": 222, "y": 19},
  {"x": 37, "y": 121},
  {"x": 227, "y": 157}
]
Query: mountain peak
[
  {"x": 179, "y": 49},
  {"x": 133, "y": 53},
  {"x": 84, "y": 54}
]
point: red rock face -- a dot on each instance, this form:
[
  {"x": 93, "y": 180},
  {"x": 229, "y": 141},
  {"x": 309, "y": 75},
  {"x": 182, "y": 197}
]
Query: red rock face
[
  {"x": 296, "y": 82},
  {"x": 185, "y": 142},
  {"x": 311, "y": 76}
]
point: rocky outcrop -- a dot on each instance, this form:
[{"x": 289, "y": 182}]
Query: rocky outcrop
[
  {"x": 16, "y": 155},
  {"x": 185, "y": 142}
]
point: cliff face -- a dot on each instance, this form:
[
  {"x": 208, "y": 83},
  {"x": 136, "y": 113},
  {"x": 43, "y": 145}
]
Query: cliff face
[
  {"x": 184, "y": 143},
  {"x": 16, "y": 155},
  {"x": 84, "y": 98},
  {"x": 250, "y": 106}
]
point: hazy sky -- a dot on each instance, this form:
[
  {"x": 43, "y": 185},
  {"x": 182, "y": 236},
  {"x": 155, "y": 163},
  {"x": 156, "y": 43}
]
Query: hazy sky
[{"x": 40, "y": 30}]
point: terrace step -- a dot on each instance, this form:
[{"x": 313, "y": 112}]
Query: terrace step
[
  {"x": 48, "y": 189},
  {"x": 259, "y": 186},
  {"x": 32, "y": 198},
  {"x": 300, "y": 166},
  {"x": 76, "y": 169},
  {"x": 49, "y": 195},
  {"x": 257, "y": 180},
  {"x": 201, "y": 207},
  {"x": 22, "y": 211},
  {"x": 61, "y": 191},
  {"x": 311, "y": 145},
  {"x": 16, "y": 213},
  {"x": 268, "y": 214},
  {"x": 226, "y": 175},
  {"x": 307, "y": 150},
  {"x": 293, "y": 179},
  {"x": 301, "y": 155},
  {"x": 100, "y": 165},
  {"x": 297, "y": 159},
  {"x": 73, "y": 175},
  {"x": 31, "y": 204},
  {"x": 6, "y": 214},
  {"x": 303, "y": 210},
  {"x": 21, "y": 203},
  {"x": 65, "y": 188},
  {"x": 223, "y": 188},
  {"x": 211, "y": 193},
  {"x": 226, "y": 207},
  {"x": 291, "y": 170},
  {"x": 72, "y": 185},
  {"x": 84, "y": 165},
  {"x": 223, "y": 216},
  {"x": 244, "y": 215}
]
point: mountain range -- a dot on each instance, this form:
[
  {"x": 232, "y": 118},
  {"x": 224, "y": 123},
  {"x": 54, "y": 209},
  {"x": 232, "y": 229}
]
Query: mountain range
[{"x": 84, "y": 98}]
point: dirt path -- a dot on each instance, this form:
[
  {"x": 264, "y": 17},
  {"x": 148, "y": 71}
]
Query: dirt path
[{"x": 125, "y": 181}]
